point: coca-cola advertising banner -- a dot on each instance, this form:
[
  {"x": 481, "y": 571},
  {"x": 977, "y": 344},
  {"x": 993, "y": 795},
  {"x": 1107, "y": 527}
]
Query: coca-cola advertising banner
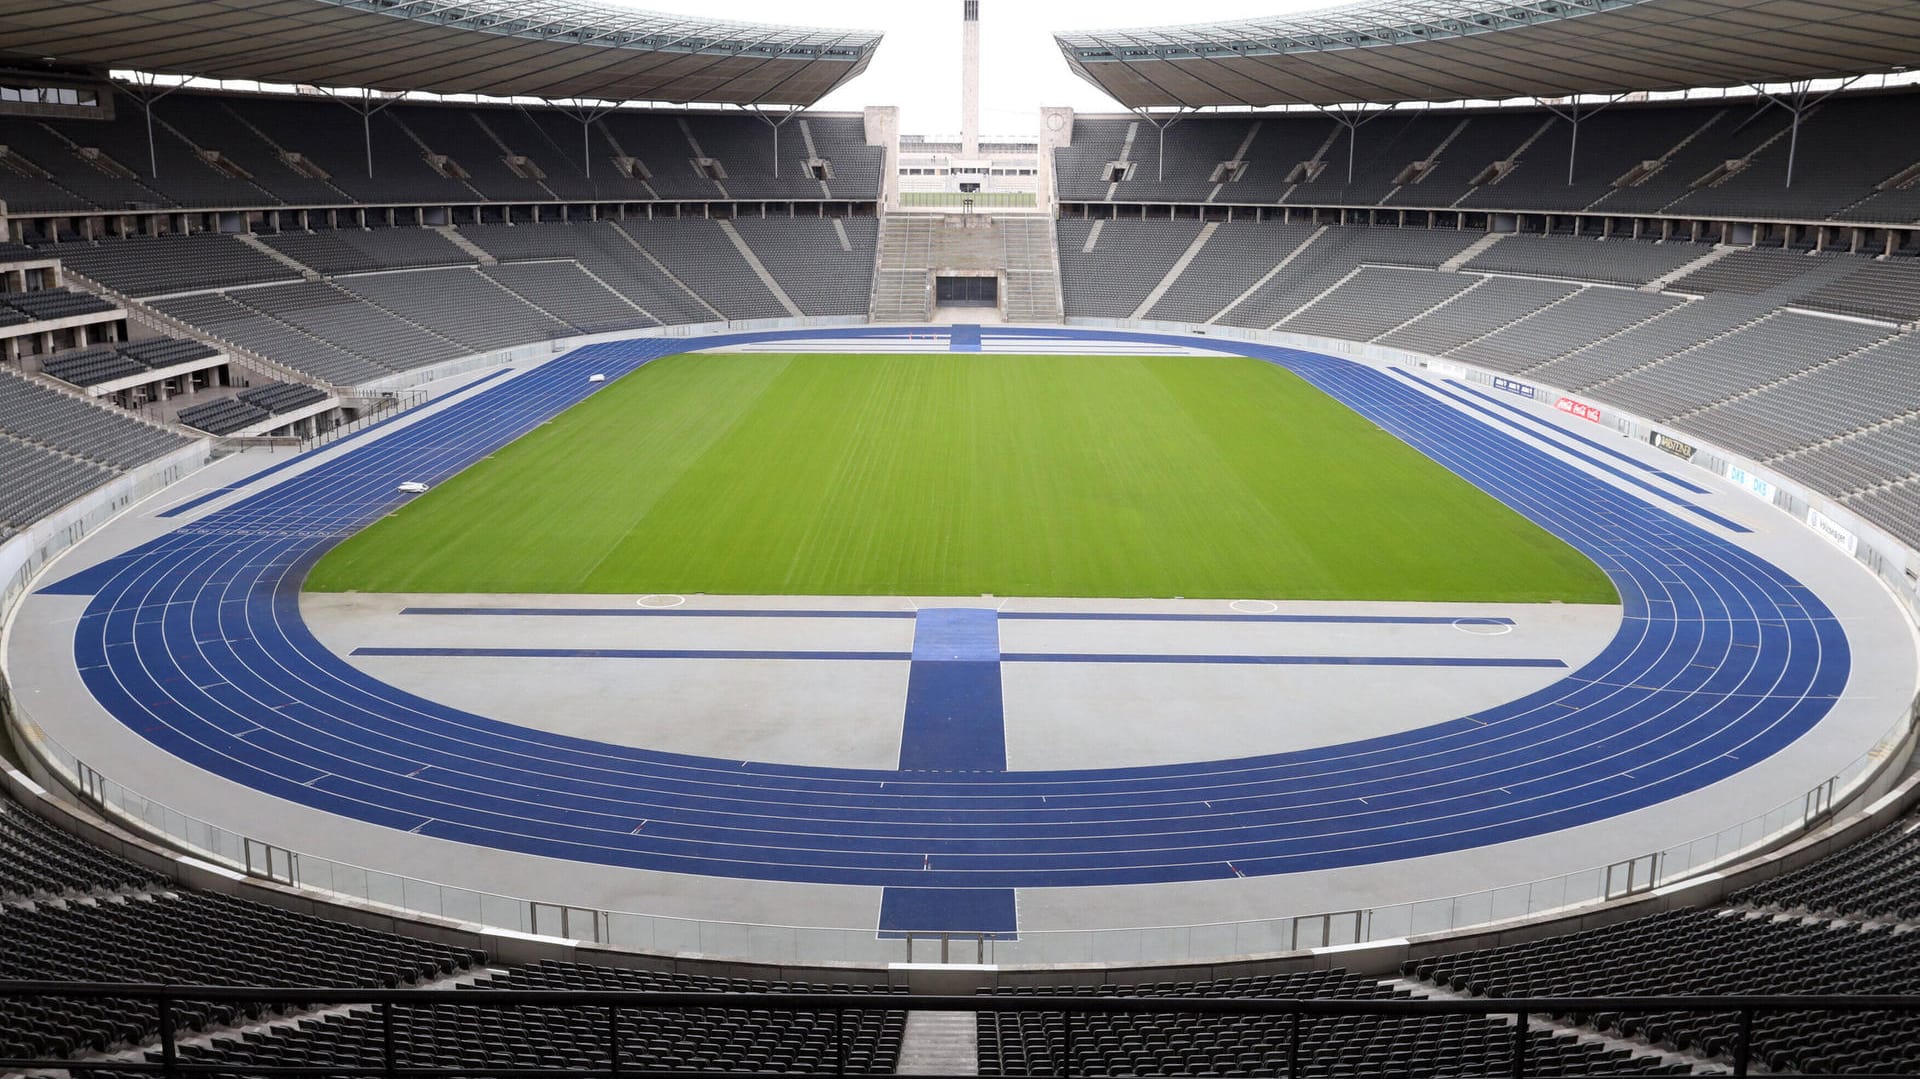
[{"x": 1578, "y": 408}]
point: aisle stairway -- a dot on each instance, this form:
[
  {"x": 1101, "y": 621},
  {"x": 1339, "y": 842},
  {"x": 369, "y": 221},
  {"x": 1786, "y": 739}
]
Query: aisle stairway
[{"x": 914, "y": 247}]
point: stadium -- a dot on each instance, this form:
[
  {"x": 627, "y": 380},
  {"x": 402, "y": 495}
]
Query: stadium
[{"x": 533, "y": 546}]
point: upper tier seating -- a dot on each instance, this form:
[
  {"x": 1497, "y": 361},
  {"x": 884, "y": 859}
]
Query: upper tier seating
[
  {"x": 1618, "y": 261},
  {"x": 366, "y": 250},
  {"x": 1517, "y": 159},
  {"x": 105, "y": 363},
  {"x": 235, "y": 150},
  {"x": 155, "y": 266}
]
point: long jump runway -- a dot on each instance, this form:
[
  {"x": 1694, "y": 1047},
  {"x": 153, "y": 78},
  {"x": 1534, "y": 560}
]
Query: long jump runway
[{"x": 195, "y": 641}]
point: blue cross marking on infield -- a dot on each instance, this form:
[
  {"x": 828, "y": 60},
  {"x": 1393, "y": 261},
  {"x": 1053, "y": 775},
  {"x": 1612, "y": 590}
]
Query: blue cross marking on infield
[{"x": 956, "y": 721}]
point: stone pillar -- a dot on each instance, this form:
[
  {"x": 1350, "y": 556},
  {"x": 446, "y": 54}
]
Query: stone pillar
[{"x": 970, "y": 78}]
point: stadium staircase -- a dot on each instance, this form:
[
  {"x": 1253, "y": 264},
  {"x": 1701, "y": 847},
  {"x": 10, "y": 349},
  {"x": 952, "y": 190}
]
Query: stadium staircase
[
  {"x": 916, "y": 246},
  {"x": 306, "y": 272}
]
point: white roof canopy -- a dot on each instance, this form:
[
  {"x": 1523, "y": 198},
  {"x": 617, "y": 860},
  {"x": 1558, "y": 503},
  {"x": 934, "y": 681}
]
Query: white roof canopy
[
  {"x": 1446, "y": 50},
  {"x": 505, "y": 48}
]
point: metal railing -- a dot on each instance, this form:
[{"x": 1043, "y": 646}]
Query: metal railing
[
  {"x": 613, "y": 1005},
  {"x": 657, "y": 933}
]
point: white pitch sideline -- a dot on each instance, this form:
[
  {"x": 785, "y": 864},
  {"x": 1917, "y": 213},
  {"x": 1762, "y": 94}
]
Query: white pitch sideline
[{"x": 990, "y": 343}]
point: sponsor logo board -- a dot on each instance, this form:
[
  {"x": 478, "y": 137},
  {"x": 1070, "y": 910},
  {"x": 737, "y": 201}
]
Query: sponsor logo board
[
  {"x": 1520, "y": 389},
  {"x": 1571, "y": 407},
  {"x": 1753, "y": 484},
  {"x": 1831, "y": 529},
  {"x": 1682, "y": 450},
  {"x": 1450, "y": 370}
]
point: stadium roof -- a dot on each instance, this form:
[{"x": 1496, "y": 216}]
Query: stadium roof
[
  {"x": 1389, "y": 51},
  {"x": 504, "y": 48}
]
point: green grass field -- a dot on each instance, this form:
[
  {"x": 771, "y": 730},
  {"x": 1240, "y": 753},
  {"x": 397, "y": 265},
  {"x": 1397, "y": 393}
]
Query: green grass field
[{"x": 951, "y": 475}]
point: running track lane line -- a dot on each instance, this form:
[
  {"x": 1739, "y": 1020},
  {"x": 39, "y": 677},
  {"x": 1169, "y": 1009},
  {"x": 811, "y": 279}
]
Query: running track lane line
[{"x": 196, "y": 643}]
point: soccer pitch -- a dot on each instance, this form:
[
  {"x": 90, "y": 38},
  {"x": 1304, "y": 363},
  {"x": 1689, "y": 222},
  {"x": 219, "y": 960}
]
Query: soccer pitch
[{"x": 960, "y": 475}]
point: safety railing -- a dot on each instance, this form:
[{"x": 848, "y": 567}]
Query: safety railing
[
  {"x": 1076, "y": 1055},
  {"x": 640, "y": 932}
]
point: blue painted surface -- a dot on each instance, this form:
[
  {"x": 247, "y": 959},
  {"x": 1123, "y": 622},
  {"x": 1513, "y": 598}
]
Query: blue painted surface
[
  {"x": 1280, "y": 661},
  {"x": 194, "y": 504},
  {"x": 194, "y": 640},
  {"x": 948, "y": 910},
  {"x": 1005, "y": 616},
  {"x": 956, "y": 721},
  {"x": 641, "y": 612},
  {"x": 964, "y": 339},
  {"x": 953, "y": 684},
  {"x": 1560, "y": 432},
  {"x": 1588, "y": 459},
  {"x": 626, "y": 653}
]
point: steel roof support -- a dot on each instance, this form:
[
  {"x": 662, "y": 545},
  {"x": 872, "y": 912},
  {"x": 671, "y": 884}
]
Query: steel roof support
[
  {"x": 147, "y": 99},
  {"x": 586, "y": 114},
  {"x": 1353, "y": 121},
  {"x": 1179, "y": 114},
  {"x": 1798, "y": 101},
  {"x": 1575, "y": 117},
  {"x": 367, "y": 109},
  {"x": 776, "y": 125}
]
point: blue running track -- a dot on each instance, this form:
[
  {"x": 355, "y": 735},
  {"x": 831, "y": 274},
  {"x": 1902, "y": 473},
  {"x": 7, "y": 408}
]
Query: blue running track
[{"x": 195, "y": 642}]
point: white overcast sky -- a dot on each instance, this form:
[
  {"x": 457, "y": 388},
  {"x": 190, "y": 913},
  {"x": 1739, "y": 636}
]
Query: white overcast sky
[{"x": 918, "y": 67}]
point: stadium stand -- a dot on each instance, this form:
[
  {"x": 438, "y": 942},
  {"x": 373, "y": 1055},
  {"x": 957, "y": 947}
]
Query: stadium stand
[
  {"x": 1329, "y": 258},
  {"x": 33, "y": 413},
  {"x": 162, "y": 265},
  {"x": 1857, "y": 391},
  {"x": 49, "y": 304},
  {"x": 70, "y": 912},
  {"x": 1128, "y": 258},
  {"x": 225, "y": 318},
  {"x": 806, "y": 255},
  {"x": 1650, "y": 158},
  {"x": 718, "y": 1039},
  {"x": 1725, "y": 951},
  {"x": 1587, "y": 316},
  {"x": 1618, "y": 262},
  {"x": 1234, "y": 259},
  {"x": 344, "y": 251},
  {"x": 1806, "y": 361},
  {"x": 40, "y": 481},
  {"x": 571, "y": 294},
  {"x": 219, "y": 150},
  {"x": 1871, "y": 879},
  {"x": 1773, "y": 349},
  {"x": 603, "y": 250},
  {"x": 1037, "y": 1043},
  {"x": 106, "y": 363},
  {"x": 224, "y": 416},
  {"x": 461, "y": 306},
  {"x": 697, "y": 252},
  {"x": 1374, "y": 300}
]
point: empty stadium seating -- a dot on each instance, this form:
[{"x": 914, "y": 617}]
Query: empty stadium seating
[
  {"x": 33, "y": 413},
  {"x": 718, "y": 1039},
  {"x": 1719, "y": 952},
  {"x": 106, "y": 363},
  {"x": 1631, "y": 159},
  {"x": 282, "y": 151},
  {"x": 1040, "y": 1043}
]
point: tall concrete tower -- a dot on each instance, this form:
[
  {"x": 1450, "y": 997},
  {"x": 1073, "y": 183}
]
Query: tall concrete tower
[{"x": 970, "y": 78}]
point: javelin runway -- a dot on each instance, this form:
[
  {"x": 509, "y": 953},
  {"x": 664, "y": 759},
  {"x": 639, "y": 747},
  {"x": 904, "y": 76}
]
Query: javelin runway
[{"x": 194, "y": 640}]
